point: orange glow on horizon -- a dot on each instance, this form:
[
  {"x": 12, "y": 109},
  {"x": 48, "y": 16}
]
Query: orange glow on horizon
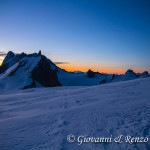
[
  {"x": 109, "y": 70},
  {"x": 93, "y": 68}
]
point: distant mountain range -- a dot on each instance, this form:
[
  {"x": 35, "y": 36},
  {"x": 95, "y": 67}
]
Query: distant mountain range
[{"x": 21, "y": 71}]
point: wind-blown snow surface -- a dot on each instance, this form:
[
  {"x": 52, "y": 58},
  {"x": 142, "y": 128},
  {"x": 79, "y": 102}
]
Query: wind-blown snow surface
[{"x": 42, "y": 118}]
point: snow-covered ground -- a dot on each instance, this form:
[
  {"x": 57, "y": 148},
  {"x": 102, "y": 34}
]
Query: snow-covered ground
[
  {"x": 73, "y": 79},
  {"x": 41, "y": 118}
]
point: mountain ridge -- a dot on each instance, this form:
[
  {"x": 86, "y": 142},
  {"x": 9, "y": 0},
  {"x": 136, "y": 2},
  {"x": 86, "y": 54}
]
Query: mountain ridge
[{"x": 36, "y": 70}]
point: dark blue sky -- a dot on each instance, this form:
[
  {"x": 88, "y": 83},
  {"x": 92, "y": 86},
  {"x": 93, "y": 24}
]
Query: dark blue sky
[{"x": 108, "y": 36}]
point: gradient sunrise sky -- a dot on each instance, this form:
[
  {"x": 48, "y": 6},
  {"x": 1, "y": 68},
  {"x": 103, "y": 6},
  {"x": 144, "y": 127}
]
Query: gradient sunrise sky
[{"x": 106, "y": 36}]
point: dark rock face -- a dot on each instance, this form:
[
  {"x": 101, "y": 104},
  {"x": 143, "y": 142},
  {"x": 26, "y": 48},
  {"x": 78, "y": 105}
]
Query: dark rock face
[
  {"x": 108, "y": 78},
  {"x": 113, "y": 76},
  {"x": 44, "y": 74},
  {"x": 130, "y": 73},
  {"x": 3, "y": 68},
  {"x": 39, "y": 53},
  {"x": 90, "y": 74},
  {"x": 145, "y": 74},
  {"x": 103, "y": 81},
  {"x": 10, "y": 60},
  {"x": 10, "y": 55},
  {"x": 32, "y": 85}
]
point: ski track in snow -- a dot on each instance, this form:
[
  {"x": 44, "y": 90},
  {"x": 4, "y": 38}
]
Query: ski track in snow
[{"x": 42, "y": 118}]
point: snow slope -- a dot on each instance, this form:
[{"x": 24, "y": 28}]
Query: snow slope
[
  {"x": 21, "y": 77},
  {"x": 41, "y": 118},
  {"x": 80, "y": 79}
]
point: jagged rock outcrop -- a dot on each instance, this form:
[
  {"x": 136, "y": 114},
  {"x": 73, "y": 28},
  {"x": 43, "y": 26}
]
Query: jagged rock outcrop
[
  {"x": 145, "y": 74},
  {"x": 108, "y": 78},
  {"x": 39, "y": 53},
  {"x": 10, "y": 60},
  {"x": 130, "y": 73},
  {"x": 28, "y": 71},
  {"x": 10, "y": 55},
  {"x": 44, "y": 74},
  {"x": 90, "y": 73}
]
